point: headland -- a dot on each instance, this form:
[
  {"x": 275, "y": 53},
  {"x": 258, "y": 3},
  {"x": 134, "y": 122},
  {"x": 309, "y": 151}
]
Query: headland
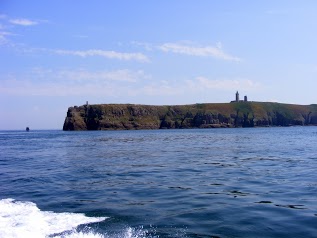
[{"x": 207, "y": 115}]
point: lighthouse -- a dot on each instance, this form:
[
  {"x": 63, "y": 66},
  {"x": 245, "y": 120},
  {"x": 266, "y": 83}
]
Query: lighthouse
[{"x": 237, "y": 96}]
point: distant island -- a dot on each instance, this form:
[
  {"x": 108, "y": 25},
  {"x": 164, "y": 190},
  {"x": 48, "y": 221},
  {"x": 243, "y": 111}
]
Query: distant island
[{"x": 203, "y": 115}]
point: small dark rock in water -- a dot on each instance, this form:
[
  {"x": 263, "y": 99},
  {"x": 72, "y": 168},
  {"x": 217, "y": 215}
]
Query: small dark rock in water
[
  {"x": 264, "y": 202},
  {"x": 27, "y": 129}
]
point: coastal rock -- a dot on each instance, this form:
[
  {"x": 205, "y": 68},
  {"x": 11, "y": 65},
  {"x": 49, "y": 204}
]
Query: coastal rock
[{"x": 209, "y": 115}]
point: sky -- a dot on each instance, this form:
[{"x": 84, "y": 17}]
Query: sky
[{"x": 62, "y": 53}]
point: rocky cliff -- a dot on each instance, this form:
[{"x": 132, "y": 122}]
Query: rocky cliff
[{"x": 209, "y": 115}]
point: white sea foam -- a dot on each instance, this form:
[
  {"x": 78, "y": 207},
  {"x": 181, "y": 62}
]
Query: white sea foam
[
  {"x": 132, "y": 233},
  {"x": 25, "y": 219}
]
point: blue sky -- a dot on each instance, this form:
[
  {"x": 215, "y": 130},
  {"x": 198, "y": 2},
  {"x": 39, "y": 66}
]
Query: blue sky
[{"x": 57, "y": 54}]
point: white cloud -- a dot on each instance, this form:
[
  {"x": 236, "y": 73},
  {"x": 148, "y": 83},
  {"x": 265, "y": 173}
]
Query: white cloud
[
  {"x": 202, "y": 83},
  {"x": 145, "y": 45},
  {"x": 23, "y": 22},
  {"x": 219, "y": 45},
  {"x": 82, "y": 75},
  {"x": 123, "y": 75},
  {"x": 197, "y": 86},
  {"x": 81, "y": 36},
  {"x": 47, "y": 82},
  {"x": 107, "y": 54},
  {"x": 163, "y": 88},
  {"x": 206, "y": 51},
  {"x": 3, "y": 37},
  {"x": 28, "y": 88}
]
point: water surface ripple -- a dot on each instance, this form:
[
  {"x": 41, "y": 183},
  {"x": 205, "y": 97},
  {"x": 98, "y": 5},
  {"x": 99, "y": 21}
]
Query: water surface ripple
[{"x": 257, "y": 182}]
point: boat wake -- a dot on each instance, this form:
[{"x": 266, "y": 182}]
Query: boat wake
[{"x": 25, "y": 219}]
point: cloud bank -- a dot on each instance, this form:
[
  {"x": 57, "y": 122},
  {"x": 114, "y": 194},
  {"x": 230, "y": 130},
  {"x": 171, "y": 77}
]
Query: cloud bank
[
  {"x": 48, "y": 82},
  {"x": 206, "y": 51},
  {"x": 203, "y": 83},
  {"x": 117, "y": 83},
  {"x": 107, "y": 54},
  {"x": 23, "y": 22}
]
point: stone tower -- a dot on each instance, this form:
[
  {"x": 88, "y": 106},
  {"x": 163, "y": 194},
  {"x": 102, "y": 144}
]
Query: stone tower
[{"x": 237, "y": 96}]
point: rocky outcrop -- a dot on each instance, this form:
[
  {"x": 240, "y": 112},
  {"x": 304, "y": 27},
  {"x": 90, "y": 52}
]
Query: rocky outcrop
[{"x": 209, "y": 115}]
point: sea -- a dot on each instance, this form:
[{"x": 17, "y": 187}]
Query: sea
[{"x": 216, "y": 183}]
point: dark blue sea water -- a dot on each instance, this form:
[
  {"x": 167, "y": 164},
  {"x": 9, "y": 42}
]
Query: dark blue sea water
[{"x": 259, "y": 182}]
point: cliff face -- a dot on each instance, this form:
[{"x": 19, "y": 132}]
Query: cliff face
[{"x": 241, "y": 114}]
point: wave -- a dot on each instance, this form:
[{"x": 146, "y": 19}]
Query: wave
[{"x": 25, "y": 219}]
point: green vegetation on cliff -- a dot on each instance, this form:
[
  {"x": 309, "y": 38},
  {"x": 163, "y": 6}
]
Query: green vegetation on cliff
[{"x": 209, "y": 115}]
